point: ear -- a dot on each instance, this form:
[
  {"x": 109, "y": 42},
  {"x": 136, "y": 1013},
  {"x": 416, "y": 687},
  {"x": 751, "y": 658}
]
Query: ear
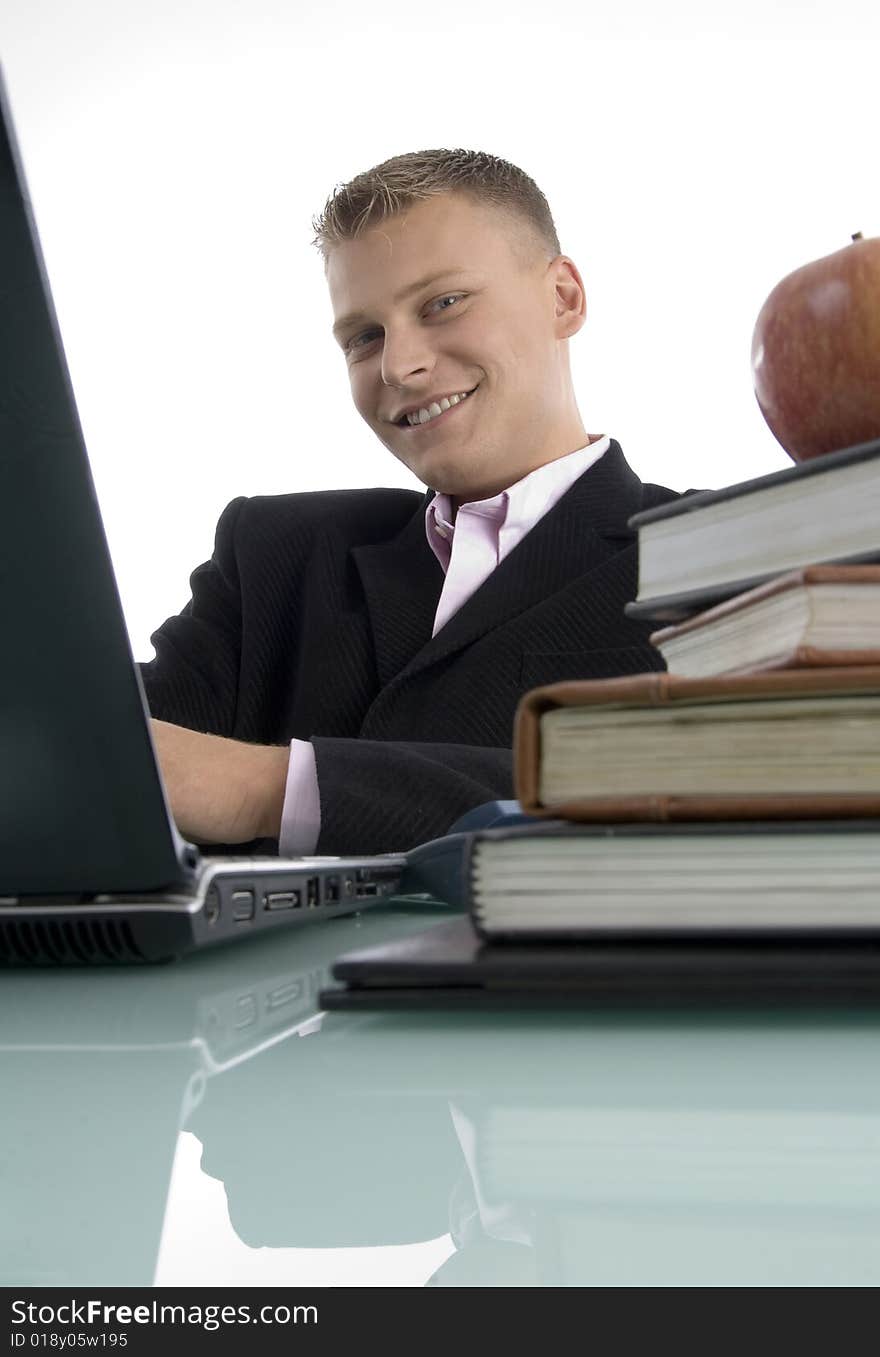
[{"x": 569, "y": 296}]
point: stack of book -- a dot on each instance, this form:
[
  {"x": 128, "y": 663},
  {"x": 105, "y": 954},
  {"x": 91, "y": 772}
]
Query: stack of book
[
  {"x": 770, "y": 573},
  {"x": 738, "y": 793}
]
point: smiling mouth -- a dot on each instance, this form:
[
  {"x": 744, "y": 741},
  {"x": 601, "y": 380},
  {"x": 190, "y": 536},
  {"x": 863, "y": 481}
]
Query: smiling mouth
[{"x": 439, "y": 415}]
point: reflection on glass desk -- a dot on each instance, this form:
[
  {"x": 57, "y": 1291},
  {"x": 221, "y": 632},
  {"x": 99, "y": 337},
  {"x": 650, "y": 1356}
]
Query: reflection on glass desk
[{"x": 624, "y": 1149}]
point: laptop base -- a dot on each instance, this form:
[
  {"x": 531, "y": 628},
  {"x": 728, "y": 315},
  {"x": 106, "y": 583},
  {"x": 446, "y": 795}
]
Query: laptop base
[{"x": 233, "y": 897}]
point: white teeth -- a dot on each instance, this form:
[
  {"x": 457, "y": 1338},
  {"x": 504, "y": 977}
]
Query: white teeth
[{"x": 436, "y": 408}]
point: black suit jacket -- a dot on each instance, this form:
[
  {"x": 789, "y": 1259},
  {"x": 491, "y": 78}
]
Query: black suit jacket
[{"x": 313, "y": 620}]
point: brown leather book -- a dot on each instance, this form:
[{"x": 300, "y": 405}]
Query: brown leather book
[
  {"x": 821, "y": 615},
  {"x": 789, "y": 744}
]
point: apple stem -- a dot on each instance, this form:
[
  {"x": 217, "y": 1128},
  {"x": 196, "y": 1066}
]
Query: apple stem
[{"x": 857, "y": 235}]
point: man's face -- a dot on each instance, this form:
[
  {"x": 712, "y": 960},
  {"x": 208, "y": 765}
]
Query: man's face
[{"x": 450, "y": 299}]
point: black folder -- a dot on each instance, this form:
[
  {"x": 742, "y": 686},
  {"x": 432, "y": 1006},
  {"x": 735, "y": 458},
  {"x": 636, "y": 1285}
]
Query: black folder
[{"x": 449, "y": 966}]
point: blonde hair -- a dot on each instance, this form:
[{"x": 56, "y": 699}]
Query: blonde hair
[{"x": 403, "y": 180}]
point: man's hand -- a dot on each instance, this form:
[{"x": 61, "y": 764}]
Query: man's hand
[{"x": 221, "y": 791}]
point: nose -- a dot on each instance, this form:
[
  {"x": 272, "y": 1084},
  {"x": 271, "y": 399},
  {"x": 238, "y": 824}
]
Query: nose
[{"x": 406, "y": 353}]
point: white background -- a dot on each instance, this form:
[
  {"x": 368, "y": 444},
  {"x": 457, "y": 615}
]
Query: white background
[{"x": 692, "y": 154}]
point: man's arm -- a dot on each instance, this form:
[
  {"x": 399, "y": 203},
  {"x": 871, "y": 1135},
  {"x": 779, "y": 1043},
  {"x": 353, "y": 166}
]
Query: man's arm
[
  {"x": 193, "y": 680},
  {"x": 376, "y": 796},
  {"x": 221, "y": 791}
]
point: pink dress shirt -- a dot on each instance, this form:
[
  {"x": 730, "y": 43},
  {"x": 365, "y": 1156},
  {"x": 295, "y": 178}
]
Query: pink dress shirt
[{"x": 468, "y": 549}]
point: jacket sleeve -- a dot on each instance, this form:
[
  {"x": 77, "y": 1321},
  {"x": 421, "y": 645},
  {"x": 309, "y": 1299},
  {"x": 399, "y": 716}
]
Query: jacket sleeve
[
  {"x": 382, "y": 796},
  {"x": 193, "y": 681}
]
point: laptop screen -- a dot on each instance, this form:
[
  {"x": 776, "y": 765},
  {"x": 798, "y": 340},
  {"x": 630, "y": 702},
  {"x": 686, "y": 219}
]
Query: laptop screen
[{"x": 82, "y": 808}]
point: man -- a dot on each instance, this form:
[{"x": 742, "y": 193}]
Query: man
[{"x": 346, "y": 674}]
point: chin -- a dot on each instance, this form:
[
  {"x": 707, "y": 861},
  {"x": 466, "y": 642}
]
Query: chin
[
  {"x": 432, "y": 474},
  {"x": 456, "y": 486},
  {"x": 447, "y": 476}
]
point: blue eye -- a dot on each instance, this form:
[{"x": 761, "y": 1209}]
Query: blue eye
[
  {"x": 444, "y": 303},
  {"x": 450, "y": 297},
  {"x": 356, "y": 340}
]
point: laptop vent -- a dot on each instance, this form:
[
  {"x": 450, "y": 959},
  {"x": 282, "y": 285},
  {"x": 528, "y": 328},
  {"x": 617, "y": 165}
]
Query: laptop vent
[{"x": 91, "y": 942}]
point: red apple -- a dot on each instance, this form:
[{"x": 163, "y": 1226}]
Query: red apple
[{"x": 816, "y": 353}]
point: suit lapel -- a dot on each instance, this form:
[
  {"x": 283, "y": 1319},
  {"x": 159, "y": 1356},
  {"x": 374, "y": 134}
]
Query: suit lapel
[
  {"x": 585, "y": 527},
  {"x": 402, "y": 579}
]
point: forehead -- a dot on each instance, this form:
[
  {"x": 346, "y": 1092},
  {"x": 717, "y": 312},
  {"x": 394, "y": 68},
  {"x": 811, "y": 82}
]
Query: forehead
[{"x": 447, "y": 234}]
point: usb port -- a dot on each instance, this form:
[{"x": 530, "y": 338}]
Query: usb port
[
  {"x": 331, "y": 890},
  {"x": 366, "y": 888},
  {"x": 283, "y": 900},
  {"x": 242, "y": 906},
  {"x": 282, "y": 995},
  {"x": 313, "y": 892}
]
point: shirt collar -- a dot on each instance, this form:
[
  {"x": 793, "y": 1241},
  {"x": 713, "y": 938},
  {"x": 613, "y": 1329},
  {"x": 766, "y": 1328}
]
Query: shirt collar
[{"x": 521, "y": 505}]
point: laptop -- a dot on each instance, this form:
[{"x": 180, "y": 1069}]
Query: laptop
[{"x": 92, "y": 868}]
